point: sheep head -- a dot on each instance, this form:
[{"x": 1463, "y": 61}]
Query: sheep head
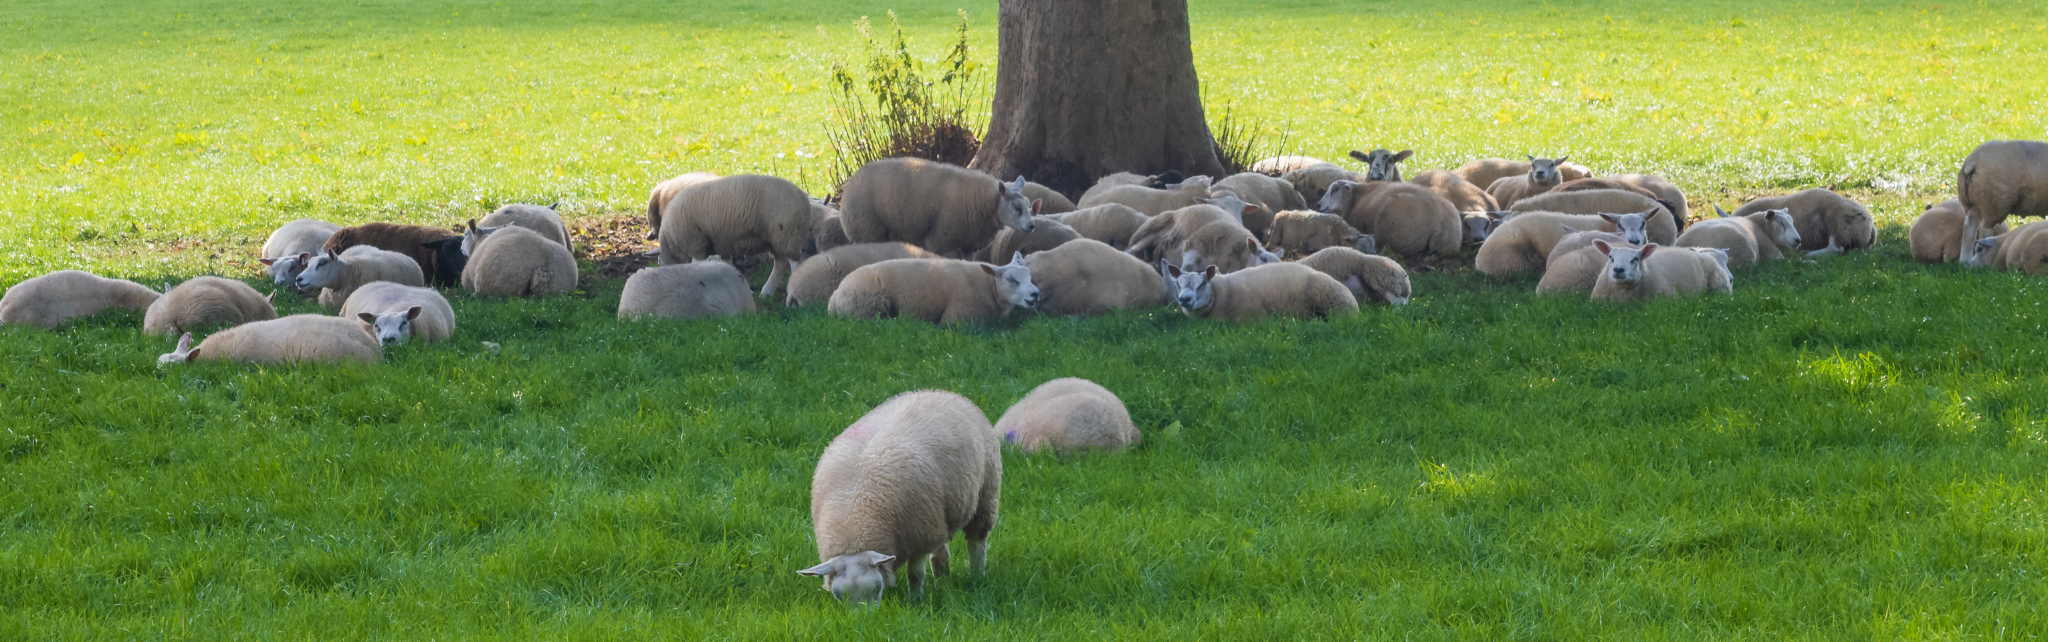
[
  {"x": 1631, "y": 227},
  {"x": 1784, "y": 231},
  {"x": 1625, "y": 264},
  {"x": 1013, "y": 282},
  {"x": 321, "y": 271},
  {"x": 856, "y": 579},
  {"x": 1382, "y": 165},
  {"x": 1543, "y": 171},
  {"x": 1337, "y": 197},
  {"x": 391, "y": 327},
  {"x": 1196, "y": 289},
  {"x": 1012, "y": 208},
  {"x": 184, "y": 354}
]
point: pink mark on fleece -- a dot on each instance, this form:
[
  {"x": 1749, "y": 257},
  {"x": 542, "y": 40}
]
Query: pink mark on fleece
[{"x": 858, "y": 431}]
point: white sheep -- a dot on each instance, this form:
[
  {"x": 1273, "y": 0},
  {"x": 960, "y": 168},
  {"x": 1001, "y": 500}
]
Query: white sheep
[
  {"x": 1524, "y": 241},
  {"x": 1303, "y": 232},
  {"x": 1402, "y": 217},
  {"x": 1049, "y": 200},
  {"x": 1748, "y": 240},
  {"x": 1091, "y": 278},
  {"x": 1314, "y": 181},
  {"x": 709, "y": 288},
  {"x": 1110, "y": 223},
  {"x": 296, "y": 339},
  {"x": 1828, "y": 223},
  {"x": 1936, "y": 233},
  {"x": 1661, "y": 228},
  {"x": 1119, "y": 179},
  {"x": 2001, "y": 178},
  {"x": 2024, "y": 249},
  {"x": 946, "y": 209},
  {"x": 1485, "y": 171},
  {"x": 740, "y": 216},
  {"x": 1045, "y": 234},
  {"x": 1574, "y": 264},
  {"x": 1280, "y": 165},
  {"x": 281, "y": 251},
  {"x": 398, "y": 312},
  {"x": 1278, "y": 289},
  {"x": 658, "y": 198},
  {"x": 1270, "y": 195},
  {"x": 1542, "y": 176},
  {"x": 1152, "y": 202},
  {"x": 544, "y": 221},
  {"x": 830, "y": 234},
  {"x": 1462, "y": 195},
  {"x": 891, "y": 490},
  {"x": 1069, "y": 415},
  {"x": 204, "y": 301},
  {"x": 1382, "y": 165},
  {"x": 1646, "y": 272},
  {"x": 817, "y": 277},
  {"x": 934, "y": 290},
  {"x": 1374, "y": 279},
  {"x": 338, "y": 275},
  {"x": 1165, "y": 234},
  {"x": 515, "y": 262},
  {"x": 53, "y": 299}
]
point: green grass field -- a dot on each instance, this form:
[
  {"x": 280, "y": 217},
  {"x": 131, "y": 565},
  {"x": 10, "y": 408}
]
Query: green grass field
[{"x": 1850, "y": 448}]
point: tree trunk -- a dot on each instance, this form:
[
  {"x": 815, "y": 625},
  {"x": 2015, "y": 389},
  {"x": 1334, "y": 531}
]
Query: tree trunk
[{"x": 1087, "y": 88}]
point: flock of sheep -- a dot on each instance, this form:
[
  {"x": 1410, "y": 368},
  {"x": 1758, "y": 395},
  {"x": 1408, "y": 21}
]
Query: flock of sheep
[{"x": 916, "y": 238}]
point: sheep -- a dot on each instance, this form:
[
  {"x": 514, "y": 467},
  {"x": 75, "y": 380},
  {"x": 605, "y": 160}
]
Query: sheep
[
  {"x": 1403, "y": 217},
  {"x": 1382, "y": 165},
  {"x": 1224, "y": 246},
  {"x": 544, "y": 221},
  {"x": 934, "y": 290},
  {"x": 1089, "y": 278},
  {"x": 51, "y": 300},
  {"x": 1828, "y": 223},
  {"x": 1661, "y": 227},
  {"x": 2025, "y": 249},
  {"x": 1280, "y": 165},
  {"x": 891, "y": 490},
  {"x": 1763, "y": 236},
  {"x": 710, "y": 288},
  {"x": 410, "y": 240},
  {"x": 2001, "y": 178},
  {"x": 516, "y": 262},
  {"x": 1119, "y": 179},
  {"x": 1271, "y": 195},
  {"x": 1653, "y": 186},
  {"x": 817, "y": 277},
  {"x": 1643, "y": 273},
  {"x": 1934, "y": 234},
  {"x": 947, "y": 209},
  {"x": 1304, "y": 232},
  {"x": 296, "y": 339},
  {"x": 1575, "y": 264},
  {"x": 1278, "y": 289},
  {"x": 1369, "y": 278},
  {"x": 1153, "y": 202},
  {"x": 205, "y": 301},
  {"x": 1524, "y": 242},
  {"x": 1045, "y": 234},
  {"x": 1479, "y": 225},
  {"x": 281, "y": 251},
  {"x": 1462, "y": 195},
  {"x": 1111, "y": 223},
  {"x": 1068, "y": 415},
  {"x": 1485, "y": 171},
  {"x": 1050, "y": 201},
  {"x": 658, "y": 198},
  {"x": 397, "y": 312},
  {"x": 740, "y": 216},
  {"x": 1542, "y": 176},
  {"x": 338, "y": 275},
  {"x": 1315, "y": 180},
  {"x": 1167, "y": 234}
]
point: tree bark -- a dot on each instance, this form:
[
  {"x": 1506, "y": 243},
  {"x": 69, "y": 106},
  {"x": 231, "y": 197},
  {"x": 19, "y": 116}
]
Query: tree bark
[{"x": 1087, "y": 88}]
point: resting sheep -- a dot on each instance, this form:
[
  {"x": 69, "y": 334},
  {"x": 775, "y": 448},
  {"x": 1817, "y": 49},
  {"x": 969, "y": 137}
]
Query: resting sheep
[
  {"x": 1152, "y": 202},
  {"x": 515, "y": 262},
  {"x": 1382, "y": 165},
  {"x": 296, "y": 339},
  {"x": 1542, "y": 176},
  {"x": 1314, "y": 181},
  {"x": 2024, "y": 249},
  {"x": 1110, "y": 223},
  {"x": 1303, "y": 232},
  {"x": 830, "y": 234},
  {"x": 710, "y": 288},
  {"x": 1370, "y": 279},
  {"x": 1068, "y": 415},
  {"x": 1651, "y": 185},
  {"x": 740, "y": 216},
  {"x": 281, "y": 251},
  {"x": 544, "y": 221},
  {"x": 1463, "y": 196},
  {"x": 205, "y": 301},
  {"x": 1936, "y": 233},
  {"x": 1748, "y": 240},
  {"x": 945, "y": 209},
  {"x": 1045, "y": 234},
  {"x": 1089, "y": 278},
  {"x": 657, "y": 200},
  {"x": 2001, "y": 178},
  {"x": 1524, "y": 242},
  {"x": 1485, "y": 171},
  {"x": 1281, "y": 165},
  {"x": 1661, "y": 227},
  {"x": 398, "y": 312},
  {"x": 1646, "y": 272},
  {"x": 1167, "y": 235},
  {"x": 1270, "y": 195},
  {"x": 416, "y": 242},
  {"x": 817, "y": 277},
  {"x": 1048, "y": 201},
  {"x": 1575, "y": 264},
  {"x": 934, "y": 290},
  {"x": 1828, "y": 223},
  {"x": 1157, "y": 181},
  {"x": 1278, "y": 289},
  {"x": 338, "y": 275},
  {"x": 53, "y": 299},
  {"x": 1402, "y": 217}
]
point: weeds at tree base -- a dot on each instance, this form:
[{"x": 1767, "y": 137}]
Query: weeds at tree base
[{"x": 894, "y": 111}]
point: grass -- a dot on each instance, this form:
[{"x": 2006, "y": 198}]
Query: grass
[{"x": 1847, "y": 449}]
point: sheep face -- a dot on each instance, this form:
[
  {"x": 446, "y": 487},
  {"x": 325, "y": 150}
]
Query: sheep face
[
  {"x": 474, "y": 236},
  {"x": 1338, "y": 195},
  {"x": 1196, "y": 289},
  {"x": 1783, "y": 231},
  {"x": 1013, "y": 282},
  {"x": 183, "y": 354},
  {"x": 1631, "y": 227},
  {"x": 856, "y": 579},
  {"x": 1479, "y": 226},
  {"x": 1011, "y": 206},
  {"x": 1625, "y": 263},
  {"x": 284, "y": 270},
  {"x": 1543, "y": 171},
  {"x": 1262, "y": 256},
  {"x": 1982, "y": 254},
  {"x": 1382, "y": 165},
  {"x": 321, "y": 271},
  {"x": 391, "y": 328}
]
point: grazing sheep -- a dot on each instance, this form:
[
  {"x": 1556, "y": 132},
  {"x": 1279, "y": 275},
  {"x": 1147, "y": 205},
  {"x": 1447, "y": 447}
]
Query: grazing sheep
[
  {"x": 2024, "y": 249},
  {"x": 396, "y": 312},
  {"x": 1045, "y": 234},
  {"x": 1644, "y": 273},
  {"x": 1110, "y": 223},
  {"x": 1156, "y": 181},
  {"x": 1382, "y": 165},
  {"x": 1574, "y": 264},
  {"x": 1763, "y": 236},
  {"x": 1542, "y": 176},
  {"x": 1304, "y": 232},
  {"x": 1525, "y": 241},
  {"x": 710, "y": 288},
  {"x": 946, "y": 209},
  {"x": 1068, "y": 415},
  {"x": 1280, "y": 165},
  {"x": 891, "y": 490},
  {"x": 544, "y": 221},
  {"x": 657, "y": 200},
  {"x": 281, "y": 251},
  {"x": 1270, "y": 195},
  {"x": 340, "y": 274},
  {"x": 1374, "y": 279},
  {"x": 1277, "y": 289},
  {"x": 1315, "y": 180},
  {"x": 2001, "y": 178},
  {"x": 410, "y": 240},
  {"x": 53, "y": 299},
  {"x": 1485, "y": 171},
  {"x": 1402, "y": 217},
  {"x": 817, "y": 277},
  {"x": 1828, "y": 223},
  {"x": 740, "y": 216},
  {"x": 1090, "y": 278},
  {"x": 296, "y": 339},
  {"x": 1045, "y": 199},
  {"x": 934, "y": 290},
  {"x": 1167, "y": 234},
  {"x": 1152, "y": 202},
  {"x": 1935, "y": 233},
  {"x": 1462, "y": 195},
  {"x": 205, "y": 301},
  {"x": 515, "y": 262},
  {"x": 1661, "y": 227}
]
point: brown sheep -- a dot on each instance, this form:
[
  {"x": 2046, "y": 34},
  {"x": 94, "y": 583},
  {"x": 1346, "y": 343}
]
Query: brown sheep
[{"x": 423, "y": 244}]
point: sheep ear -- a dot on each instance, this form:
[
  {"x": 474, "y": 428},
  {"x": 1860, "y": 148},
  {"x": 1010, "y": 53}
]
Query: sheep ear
[
  {"x": 267, "y": 261},
  {"x": 1253, "y": 244},
  {"x": 1569, "y": 230},
  {"x": 1037, "y": 205},
  {"x": 1171, "y": 269},
  {"x": 1016, "y": 258},
  {"x": 269, "y": 298},
  {"x": 1647, "y": 249},
  {"x": 1403, "y": 155},
  {"x": 472, "y": 225},
  {"x": 413, "y": 313},
  {"x": 990, "y": 269},
  {"x": 1248, "y": 209},
  {"x": 1604, "y": 247},
  {"x": 305, "y": 256},
  {"x": 1561, "y": 159},
  {"x": 1209, "y": 273},
  {"x": 1610, "y": 218},
  {"x": 1532, "y": 158},
  {"x": 367, "y": 317},
  {"x": 1718, "y": 210},
  {"x": 185, "y": 343},
  {"x": 1361, "y": 157},
  {"x": 827, "y": 569},
  {"x": 878, "y": 559}
]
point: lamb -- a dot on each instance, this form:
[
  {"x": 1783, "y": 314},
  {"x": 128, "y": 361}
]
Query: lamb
[
  {"x": 1525, "y": 241},
  {"x": 1763, "y": 236},
  {"x": 1635, "y": 274},
  {"x": 1153, "y": 202},
  {"x": 1051, "y": 202},
  {"x": 1304, "y": 232},
  {"x": 1462, "y": 195},
  {"x": 830, "y": 234},
  {"x": 1542, "y": 176},
  {"x": 2001, "y": 178},
  {"x": 1068, "y": 415},
  {"x": 1369, "y": 278},
  {"x": 544, "y": 221},
  {"x": 817, "y": 277},
  {"x": 2024, "y": 249},
  {"x": 1045, "y": 234},
  {"x": 741, "y": 216},
  {"x": 1403, "y": 217},
  {"x": 281, "y": 251},
  {"x": 410, "y": 240},
  {"x": 51, "y": 300},
  {"x": 934, "y": 290},
  {"x": 946, "y": 209},
  {"x": 516, "y": 262},
  {"x": 1168, "y": 233},
  {"x": 1278, "y": 289},
  {"x": 340, "y": 274},
  {"x": 1110, "y": 223},
  {"x": 1280, "y": 165},
  {"x": 1828, "y": 223},
  {"x": 657, "y": 200},
  {"x": 710, "y": 288},
  {"x": 296, "y": 339},
  {"x": 1157, "y": 181},
  {"x": 1661, "y": 227},
  {"x": 1382, "y": 165},
  {"x": 1314, "y": 181},
  {"x": 205, "y": 301},
  {"x": 1089, "y": 278},
  {"x": 1485, "y": 171},
  {"x": 1271, "y": 195},
  {"x": 397, "y": 312},
  {"x": 1575, "y": 264},
  {"x": 1935, "y": 233},
  {"x": 891, "y": 490}
]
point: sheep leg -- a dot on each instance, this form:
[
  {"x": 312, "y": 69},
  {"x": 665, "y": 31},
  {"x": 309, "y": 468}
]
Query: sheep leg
[
  {"x": 977, "y": 555},
  {"x": 781, "y": 269},
  {"x": 1834, "y": 247},
  {"x": 1969, "y": 249},
  {"x": 942, "y": 561},
  {"x": 915, "y": 574}
]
